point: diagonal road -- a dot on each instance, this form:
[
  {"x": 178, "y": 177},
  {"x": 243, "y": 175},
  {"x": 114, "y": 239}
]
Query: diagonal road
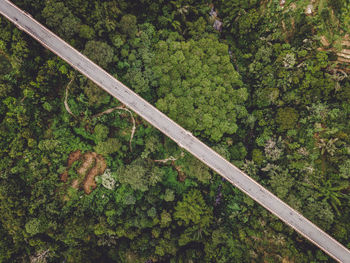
[{"x": 181, "y": 136}]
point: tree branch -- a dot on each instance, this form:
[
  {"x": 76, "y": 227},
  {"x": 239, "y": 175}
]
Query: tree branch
[{"x": 171, "y": 158}]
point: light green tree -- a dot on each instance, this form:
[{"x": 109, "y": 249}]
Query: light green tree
[
  {"x": 100, "y": 52},
  {"x": 193, "y": 210},
  {"x": 198, "y": 86},
  {"x": 111, "y": 145}
]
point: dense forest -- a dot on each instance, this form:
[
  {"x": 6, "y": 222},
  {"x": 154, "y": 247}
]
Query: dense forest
[{"x": 264, "y": 83}]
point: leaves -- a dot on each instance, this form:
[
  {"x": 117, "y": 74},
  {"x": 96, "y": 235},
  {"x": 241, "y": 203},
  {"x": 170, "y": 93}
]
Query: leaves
[
  {"x": 100, "y": 52},
  {"x": 205, "y": 87},
  {"x": 267, "y": 93},
  {"x": 192, "y": 210}
]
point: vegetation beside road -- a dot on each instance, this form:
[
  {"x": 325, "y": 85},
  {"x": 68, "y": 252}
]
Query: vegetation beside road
[{"x": 270, "y": 92}]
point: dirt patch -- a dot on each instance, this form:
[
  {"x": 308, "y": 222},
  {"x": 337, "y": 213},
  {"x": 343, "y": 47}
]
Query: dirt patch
[
  {"x": 75, "y": 184},
  {"x": 181, "y": 175},
  {"x": 343, "y": 55},
  {"x": 64, "y": 176},
  {"x": 74, "y": 156},
  {"x": 92, "y": 165},
  {"x": 99, "y": 167},
  {"x": 88, "y": 162}
]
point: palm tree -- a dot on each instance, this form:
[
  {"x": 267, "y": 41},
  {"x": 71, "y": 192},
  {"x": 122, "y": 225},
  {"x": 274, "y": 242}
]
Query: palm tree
[{"x": 330, "y": 192}]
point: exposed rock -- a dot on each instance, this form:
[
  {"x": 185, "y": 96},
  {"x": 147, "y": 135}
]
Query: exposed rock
[
  {"x": 309, "y": 9},
  {"x": 213, "y": 12},
  {"x": 217, "y": 23}
]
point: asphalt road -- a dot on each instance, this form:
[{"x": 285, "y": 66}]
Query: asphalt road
[{"x": 181, "y": 136}]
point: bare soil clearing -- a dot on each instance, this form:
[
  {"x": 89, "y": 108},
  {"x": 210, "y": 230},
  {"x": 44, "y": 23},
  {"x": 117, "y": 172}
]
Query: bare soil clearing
[{"x": 92, "y": 165}]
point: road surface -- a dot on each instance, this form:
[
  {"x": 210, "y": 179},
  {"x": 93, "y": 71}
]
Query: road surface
[{"x": 181, "y": 136}]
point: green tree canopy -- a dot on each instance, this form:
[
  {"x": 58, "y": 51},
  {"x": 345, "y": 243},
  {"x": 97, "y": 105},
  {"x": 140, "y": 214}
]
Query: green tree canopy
[
  {"x": 192, "y": 209},
  {"x": 99, "y": 52},
  {"x": 198, "y": 87}
]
